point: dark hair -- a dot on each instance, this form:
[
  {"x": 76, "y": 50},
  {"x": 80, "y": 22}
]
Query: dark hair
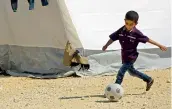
[{"x": 132, "y": 15}]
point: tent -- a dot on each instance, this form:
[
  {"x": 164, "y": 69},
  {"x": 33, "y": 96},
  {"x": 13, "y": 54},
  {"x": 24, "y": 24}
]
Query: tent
[{"x": 32, "y": 41}]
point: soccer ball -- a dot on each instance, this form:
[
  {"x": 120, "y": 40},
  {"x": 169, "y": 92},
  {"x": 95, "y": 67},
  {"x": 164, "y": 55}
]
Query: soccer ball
[{"x": 114, "y": 92}]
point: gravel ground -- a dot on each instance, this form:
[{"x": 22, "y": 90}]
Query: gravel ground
[{"x": 84, "y": 93}]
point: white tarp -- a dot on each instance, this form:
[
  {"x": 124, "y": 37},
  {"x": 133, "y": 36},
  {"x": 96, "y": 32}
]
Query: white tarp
[
  {"x": 96, "y": 19},
  {"x": 109, "y": 63},
  {"x": 100, "y": 64}
]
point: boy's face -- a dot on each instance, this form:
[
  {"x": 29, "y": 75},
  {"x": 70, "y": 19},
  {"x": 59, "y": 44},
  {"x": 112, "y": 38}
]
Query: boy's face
[{"x": 129, "y": 24}]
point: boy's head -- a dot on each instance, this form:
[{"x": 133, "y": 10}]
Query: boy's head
[{"x": 131, "y": 20}]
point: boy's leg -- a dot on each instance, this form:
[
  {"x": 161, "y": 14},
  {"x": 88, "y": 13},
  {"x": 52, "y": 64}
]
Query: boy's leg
[
  {"x": 121, "y": 72},
  {"x": 142, "y": 76}
]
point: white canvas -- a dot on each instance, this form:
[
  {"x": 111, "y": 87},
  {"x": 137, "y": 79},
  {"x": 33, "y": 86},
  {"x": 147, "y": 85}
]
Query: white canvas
[{"x": 96, "y": 19}]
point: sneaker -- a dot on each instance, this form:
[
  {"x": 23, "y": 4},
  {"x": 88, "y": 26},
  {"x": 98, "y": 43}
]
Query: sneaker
[{"x": 149, "y": 84}]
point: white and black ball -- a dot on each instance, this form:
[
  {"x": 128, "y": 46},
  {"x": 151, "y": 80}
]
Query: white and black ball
[{"x": 114, "y": 92}]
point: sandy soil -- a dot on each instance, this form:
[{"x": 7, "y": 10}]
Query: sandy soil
[{"x": 84, "y": 93}]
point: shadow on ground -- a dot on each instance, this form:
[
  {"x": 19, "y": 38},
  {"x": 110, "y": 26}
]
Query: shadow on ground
[
  {"x": 79, "y": 97},
  {"x": 99, "y": 96},
  {"x": 131, "y": 94}
]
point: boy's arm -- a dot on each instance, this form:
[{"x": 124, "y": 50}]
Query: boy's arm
[
  {"x": 162, "y": 47},
  {"x": 113, "y": 37},
  {"x": 110, "y": 41}
]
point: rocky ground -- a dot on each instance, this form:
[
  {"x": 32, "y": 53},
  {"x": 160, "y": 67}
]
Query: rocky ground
[{"x": 84, "y": 93}]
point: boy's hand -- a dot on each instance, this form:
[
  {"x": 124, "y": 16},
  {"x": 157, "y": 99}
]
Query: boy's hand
[
  {"x": 104, "y": 48},
  {"x": 163, "y": 48},
  {"x": 110, "y": 41}
]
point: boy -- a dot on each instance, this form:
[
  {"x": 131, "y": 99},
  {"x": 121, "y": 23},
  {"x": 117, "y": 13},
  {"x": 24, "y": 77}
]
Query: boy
[{"x": 129, "y": 37}]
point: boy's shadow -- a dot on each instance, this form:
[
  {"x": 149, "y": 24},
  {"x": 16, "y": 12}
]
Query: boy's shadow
[
  {"x": 79, "y": 97},
  {"x": 99, "y": 96}
]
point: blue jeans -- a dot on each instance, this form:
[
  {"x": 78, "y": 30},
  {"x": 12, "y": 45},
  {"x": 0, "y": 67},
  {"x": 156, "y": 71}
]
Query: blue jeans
[
  {"x": 31, "y": 3},
  {"x": 14, "y": 5},
  {"x": 44, "y": 2},
  {"x": 130, "y": 68}
]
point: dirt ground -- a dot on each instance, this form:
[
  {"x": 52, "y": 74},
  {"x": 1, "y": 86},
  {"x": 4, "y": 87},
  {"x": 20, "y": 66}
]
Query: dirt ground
[{"x": 84, "y": 93}]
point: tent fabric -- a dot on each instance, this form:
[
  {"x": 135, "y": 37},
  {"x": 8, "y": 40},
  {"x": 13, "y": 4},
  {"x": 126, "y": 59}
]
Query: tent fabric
[
  {"x": 110, "y": 62},
  {"x": 47, "y": 63},
  {"x": 32, "y": 42},
  {"x": 49, "y": 26},
  {"x": 80, "y": 22}
]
